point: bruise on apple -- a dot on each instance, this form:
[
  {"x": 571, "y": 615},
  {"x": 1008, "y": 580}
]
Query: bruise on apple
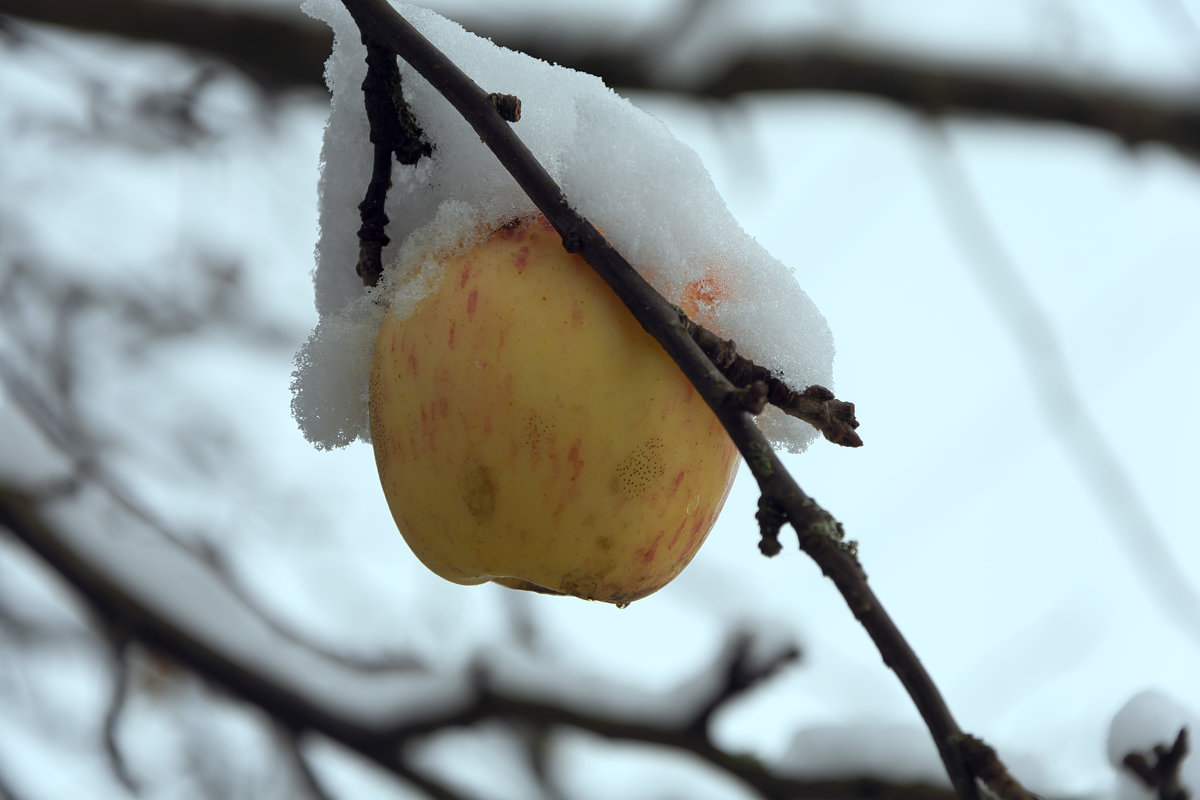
[{"x": 479, "y": 492}]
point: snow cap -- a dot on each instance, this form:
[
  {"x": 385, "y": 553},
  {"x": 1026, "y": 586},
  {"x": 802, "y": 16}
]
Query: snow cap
[{"x": 619, "y": 167}]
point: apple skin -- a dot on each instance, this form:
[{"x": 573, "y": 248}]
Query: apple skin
[{"x": 527, "y": 430}]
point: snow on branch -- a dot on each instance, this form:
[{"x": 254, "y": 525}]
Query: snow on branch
[{"x": 375, "y": 714}]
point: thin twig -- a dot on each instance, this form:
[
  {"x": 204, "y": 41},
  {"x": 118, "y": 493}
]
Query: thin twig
[
  {"x": 820, "y": 535},
  {"x": 740, "y": 673},
  {"x": 293, "y": 747},
  {"x": 394, "y": 134},
  {"x": 988, "y": 767},
  {"x": 1159, "y": 770},
  {"x": 816, "y": 405},
  {"x": 112, "y": 715}
]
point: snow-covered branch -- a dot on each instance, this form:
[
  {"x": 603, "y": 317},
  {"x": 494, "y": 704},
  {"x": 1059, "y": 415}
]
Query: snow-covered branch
[{"x": 312, "y": 695}]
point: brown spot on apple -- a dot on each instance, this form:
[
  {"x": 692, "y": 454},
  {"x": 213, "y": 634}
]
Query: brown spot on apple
[
  {"x": 539, "y": 434},
  {"x": 479, "y": 492}
]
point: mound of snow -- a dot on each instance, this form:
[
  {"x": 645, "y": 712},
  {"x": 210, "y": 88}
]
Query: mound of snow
[{"x": 619, "y": 167}]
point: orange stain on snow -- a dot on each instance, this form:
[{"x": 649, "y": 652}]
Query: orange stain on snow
[{"x": 702, "y": 296}]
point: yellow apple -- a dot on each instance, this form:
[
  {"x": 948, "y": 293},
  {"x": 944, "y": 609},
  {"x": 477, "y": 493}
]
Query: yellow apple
[{"x": 529, "y": 432}]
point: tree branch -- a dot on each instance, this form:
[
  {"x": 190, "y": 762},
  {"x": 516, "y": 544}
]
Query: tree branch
[
  {"x": 491, "y": 704},
  {"x": 740, "y": 672},
  {"x": 286, "y": 51},
  {"x": 120, "y": 610},
  {"x": 74, "y": 443},
  {"x": 21, "y": 515},
  {"x": 816, "y": 405},
  {"x": 278, "y": 51},
  {"x": 820, "y": 535}
]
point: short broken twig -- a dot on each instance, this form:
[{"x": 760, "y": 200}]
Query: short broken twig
[
  {"x": 394, "y": 133},
  {"x": 982, "y": 760},
  {"x": 1160, "y": 771},
  {"x": 816, "y": 405}
]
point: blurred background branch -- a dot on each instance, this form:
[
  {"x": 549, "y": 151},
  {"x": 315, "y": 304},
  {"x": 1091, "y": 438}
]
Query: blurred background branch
[
  {"x": 388, "y": 742},
  {"x": 286, "y": 50}
]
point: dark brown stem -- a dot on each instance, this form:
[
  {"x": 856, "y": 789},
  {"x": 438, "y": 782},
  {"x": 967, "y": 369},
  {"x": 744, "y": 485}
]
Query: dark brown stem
[
  {"x": 816, "y": 405},
  {"x": 985, "y": 763},
  {"x": 820, "y": 535},
  {"x": 1159, "y": 770},
  {"x": 394, "y": 134}
]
